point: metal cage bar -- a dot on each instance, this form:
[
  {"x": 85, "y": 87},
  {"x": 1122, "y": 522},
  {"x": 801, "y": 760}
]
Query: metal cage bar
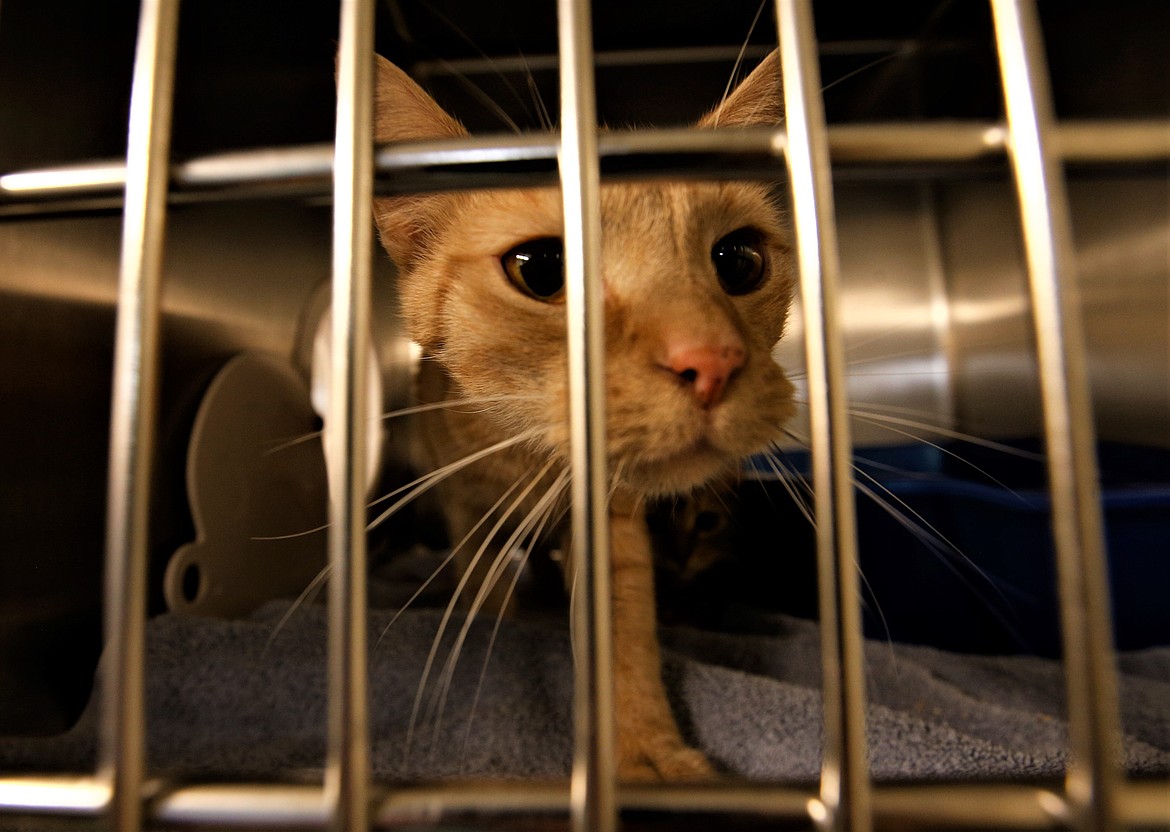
[
  {"x": 592, "y": 802},
  {"x": 347, "y": 774},
  {"x": 1094, "y": 728},
  {"x": 844, "y": 791},
  {"x": 505, "y": 161},
  {"x": 1141, "y": 804},
  {"x": 122, "y": 760},
  {"x": 1094, "y": 795}
]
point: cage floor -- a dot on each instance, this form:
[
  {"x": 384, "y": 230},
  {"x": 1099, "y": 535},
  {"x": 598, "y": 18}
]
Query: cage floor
[{"x": 246, "y": 699}]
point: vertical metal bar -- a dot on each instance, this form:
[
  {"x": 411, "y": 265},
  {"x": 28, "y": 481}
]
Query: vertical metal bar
[
  {"x": 845, "y": 788},
  {"x": 1093, "y": 774},
  {"x": 592, "y": 798},
  {"x": 347, "y": 776},
  {"x": 133, "y": 413}
]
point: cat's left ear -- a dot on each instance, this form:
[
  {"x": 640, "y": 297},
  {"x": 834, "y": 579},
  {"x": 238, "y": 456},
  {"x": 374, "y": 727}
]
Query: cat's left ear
[
  {"x": 404, "y": 112},
  {"x": 757, "y": 102}
]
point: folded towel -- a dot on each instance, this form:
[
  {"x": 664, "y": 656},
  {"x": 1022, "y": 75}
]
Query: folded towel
[{"x": 245, "y": 699}]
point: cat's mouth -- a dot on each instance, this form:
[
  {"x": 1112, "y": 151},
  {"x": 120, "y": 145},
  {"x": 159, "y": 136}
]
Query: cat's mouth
[{"x": 678, "y": 458}]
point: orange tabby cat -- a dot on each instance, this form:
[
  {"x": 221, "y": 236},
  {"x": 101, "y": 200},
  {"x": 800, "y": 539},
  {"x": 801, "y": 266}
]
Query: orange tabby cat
[{"x": 697, "y": 287}]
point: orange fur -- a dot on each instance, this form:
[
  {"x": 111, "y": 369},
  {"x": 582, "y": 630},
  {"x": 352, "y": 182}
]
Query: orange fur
[{"x": 486, "y": 339}]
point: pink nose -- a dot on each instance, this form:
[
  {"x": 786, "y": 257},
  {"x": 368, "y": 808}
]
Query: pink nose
[{"x": 707, "y": 369}]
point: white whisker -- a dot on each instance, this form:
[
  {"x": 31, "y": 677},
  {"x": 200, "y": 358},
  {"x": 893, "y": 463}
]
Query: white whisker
[
  {"x": 616, "y": 479},
  {"x": 935, "y": 542},
  {"x": 973, "y": 440},
  {"x": 917, "y": 525},
  {"x": 947, "y": 432},
  {"x": 396, "y": 414},
  {"x": 925, "y": 532},
  {"x": 901, "y": 410},
  {"x": 739, "y": 57},
  {"x": 292, "y": 443},
  {"x": 542, "y": 114},
  {"x": 557, "y": 489},
  {"x": 784, "y": 477},
  {"x": 879, "y": 359},
  {"x": 463, "y": 581},
  {"x": 451, "y": 555},
  {"x": 420, "y": 486},
  {"x": 292, "y": 535},
  {"x": 450, "y": 403},
  {"x": 865, "y": 68},
  {"x": 429, "y": 481},
  {"x": 473, "y": 88},
  {"x": 495, "y": 572},
  {"x": 306, "y": 597}
]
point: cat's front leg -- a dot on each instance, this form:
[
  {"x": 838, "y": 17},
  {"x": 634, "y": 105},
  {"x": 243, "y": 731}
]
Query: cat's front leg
[{"x": 650, "y": 746}]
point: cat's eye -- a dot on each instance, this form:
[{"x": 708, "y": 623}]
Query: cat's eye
[
  {"x": 536, "y": 268},
  {"x": 739, "y": 261}
]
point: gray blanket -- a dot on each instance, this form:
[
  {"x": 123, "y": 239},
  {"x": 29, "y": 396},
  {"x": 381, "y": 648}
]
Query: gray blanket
[{"x": 230, "y": 698}]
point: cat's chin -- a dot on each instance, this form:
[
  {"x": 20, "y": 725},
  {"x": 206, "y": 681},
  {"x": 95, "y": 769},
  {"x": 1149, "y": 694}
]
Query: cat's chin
[{"x": 679, "y": 473}]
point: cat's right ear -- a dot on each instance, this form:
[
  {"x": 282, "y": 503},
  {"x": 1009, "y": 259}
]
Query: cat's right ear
[{"x": 404, "y": 112}]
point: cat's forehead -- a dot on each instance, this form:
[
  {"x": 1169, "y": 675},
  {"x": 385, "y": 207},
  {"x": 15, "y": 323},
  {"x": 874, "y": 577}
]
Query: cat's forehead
[
  {"x": 690, "y": 208},
  {"x": 675, "y": 211}
]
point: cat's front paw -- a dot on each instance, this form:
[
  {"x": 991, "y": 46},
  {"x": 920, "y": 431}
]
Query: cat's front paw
[{"x": 663, "y": 758}]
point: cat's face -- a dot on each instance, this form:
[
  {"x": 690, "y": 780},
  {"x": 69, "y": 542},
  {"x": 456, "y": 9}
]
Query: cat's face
[{"x": 696, "y": 289}]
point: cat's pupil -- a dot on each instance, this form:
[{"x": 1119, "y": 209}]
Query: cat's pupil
[
  {"x": 739, "y": 261},
  {"x": 537, "y": 268}
]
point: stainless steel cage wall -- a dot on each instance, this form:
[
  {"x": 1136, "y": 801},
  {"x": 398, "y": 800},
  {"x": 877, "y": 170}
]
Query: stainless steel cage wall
[{"x": 1095, "y": 795}]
